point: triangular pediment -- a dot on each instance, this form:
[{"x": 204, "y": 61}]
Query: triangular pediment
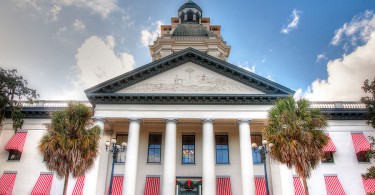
[
  {"x": 185, "y": 75},
  {"x": 190, "y": 78}
]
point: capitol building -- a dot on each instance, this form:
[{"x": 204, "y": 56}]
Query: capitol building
[{"x": 189, "y": 119}]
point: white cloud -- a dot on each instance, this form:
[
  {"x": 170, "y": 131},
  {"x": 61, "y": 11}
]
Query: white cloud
[
  {"x": 357, "y": 31},
  {"x": 55, "y": 11},
  {"x": 320, "y": 57},
  {"x": 245, "y": 65},
  {"x": 101, "y": 7},
  {"x": 79, "y": 25},
  {"x": 346, "y": 75},
  {"x": 295, "y": 16},
  {"x": 96, "y": 61},
  {"x": 149, "y": 35}
]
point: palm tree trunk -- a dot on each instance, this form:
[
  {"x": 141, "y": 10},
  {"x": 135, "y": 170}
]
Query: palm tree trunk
[
  {"x": 66, "y": 181},
  {"x": 305, "y": 186}
]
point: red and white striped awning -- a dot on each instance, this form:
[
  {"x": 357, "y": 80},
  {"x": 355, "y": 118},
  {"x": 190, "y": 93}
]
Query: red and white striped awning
[
  {"x": 152, "y": 186},
  {"x": 43, "y": 185},
  {"x": 298, "y": 186},
  {"x": 7, "y": 183},
  {"x": 330, "y": 147},
  {"x": 78, "y": 188},
  {"x": 369, "y": 185},
  {"x": 117, "y": 185},
  {"x": 16, "y": 142},
  {"x": 360, "y": 142},
  {"x": 223, "y": 186},
  {"x": 260, "y": 186},
  {"x": 333, "y": 185}
]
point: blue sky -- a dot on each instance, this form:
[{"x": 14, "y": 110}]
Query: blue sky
[{"x": 322, "y": 49}]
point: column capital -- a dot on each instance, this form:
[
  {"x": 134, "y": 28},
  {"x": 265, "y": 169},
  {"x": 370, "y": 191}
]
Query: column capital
[
  {"x": 207, "y": 120},
  {"x": 243, "y": 120},
  {"x": 135, "y": 119},
  {"x": 99, "y": 119},
  {"x": 171, "y": 119}
]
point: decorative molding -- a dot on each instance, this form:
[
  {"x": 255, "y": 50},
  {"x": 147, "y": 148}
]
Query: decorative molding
[
  {"x": 214, "y": 64},
  {"x": 244, "y": 120},
  {"x": 345, "y": 114},
  {"x": 135, "y": 119},
  {"x": 171, "y": 119},
  {"x": 186, "y": 99},
  {"x": 207, "y": 120}
]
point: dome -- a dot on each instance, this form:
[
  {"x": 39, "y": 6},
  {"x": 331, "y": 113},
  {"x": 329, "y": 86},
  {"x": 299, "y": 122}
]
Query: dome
[
  {"x": 190, "y": 29},
  {"x": 190, "y": 4}
]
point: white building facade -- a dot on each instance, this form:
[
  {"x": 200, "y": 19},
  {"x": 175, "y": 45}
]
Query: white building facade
[{"x": 189, "y": 119}]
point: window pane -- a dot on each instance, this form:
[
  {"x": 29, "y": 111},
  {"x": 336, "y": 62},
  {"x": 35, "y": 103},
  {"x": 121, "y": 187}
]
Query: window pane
[
  {"x": 188, "y": 149},
  {"x": 14, "y": 155},
  {"x": 222, "y": 149},
  {"x": 361, "y": 157},
  {"x": 121, "y": 138},
  {"x": 256, "y": 138},
  {"x": 188, "y": 140},
  {"x": 256, "y": 157},
  {"x": 327, "y": 157},
  {"x": 154, "y": 145}
]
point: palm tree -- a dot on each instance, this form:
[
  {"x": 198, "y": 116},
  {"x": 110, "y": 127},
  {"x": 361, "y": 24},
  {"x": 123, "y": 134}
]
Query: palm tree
[
  {"x": 296, "y": 132},
  {"x": 71, "y": 143}
]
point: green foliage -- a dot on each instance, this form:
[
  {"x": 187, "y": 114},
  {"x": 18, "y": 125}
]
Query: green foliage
[
  {"x": 297, "y": 134},
  {"x": 71, "y": 143},
  {"x": 369, "y": 101},
  {"x": 13, "y": 88}
]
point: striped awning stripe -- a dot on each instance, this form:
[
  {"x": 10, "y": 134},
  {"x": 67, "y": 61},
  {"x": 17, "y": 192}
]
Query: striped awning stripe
[
  {"x": 298, "y": 186},
  {"x": 117, "y": 185},
  {"x": 330, "y": 147},
  {"x": 260, "y": 186},
  {"x": 7, "y": 183},
  {"x": 369, "y": 185},
  {"x": 223, "y": 186},
  {"x": 360, "y": 142},
  {"x": 78, "y": 188},
  {"x": 333, "y": 185},
  {"x": 43, "y": 185},
  {"x": 16, "y": 142},
  {"x": 152, "y": 186}
]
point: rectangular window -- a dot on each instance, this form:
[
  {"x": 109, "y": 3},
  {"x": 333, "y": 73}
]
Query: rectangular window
[
  {"x": 257, "y": 156},
  {"x": 154, "y": 148},
  {"x": 222, "y": 149},
  {"x": 119, "y": 139},
  {"x": 327, "y": 157},
  {"x": 362, "y": 157},
  {"x": 188, "y": 149},
  {"x": 14, "y": 155}
]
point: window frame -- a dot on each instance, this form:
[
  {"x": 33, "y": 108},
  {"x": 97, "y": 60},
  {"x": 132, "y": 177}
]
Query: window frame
[
  {"x": 148, "y": 147},
  {"x": 182, "y": 148},
  {"x": 227, "y": 149},
  {"x": 16, "y": 153}
]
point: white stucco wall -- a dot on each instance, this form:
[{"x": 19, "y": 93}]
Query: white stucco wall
[{"x": 345, "y": 166}]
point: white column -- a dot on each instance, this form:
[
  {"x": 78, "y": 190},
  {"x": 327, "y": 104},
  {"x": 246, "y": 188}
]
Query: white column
[
  {"x": 93, "y": 182},
  {"x": 287, "y": 186},
  {"x": 131, "y": 157},
  {"x": 208, "y": 161},
  {"x": 247, "y": 169},
  {"x": 169, "y": 167}
]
